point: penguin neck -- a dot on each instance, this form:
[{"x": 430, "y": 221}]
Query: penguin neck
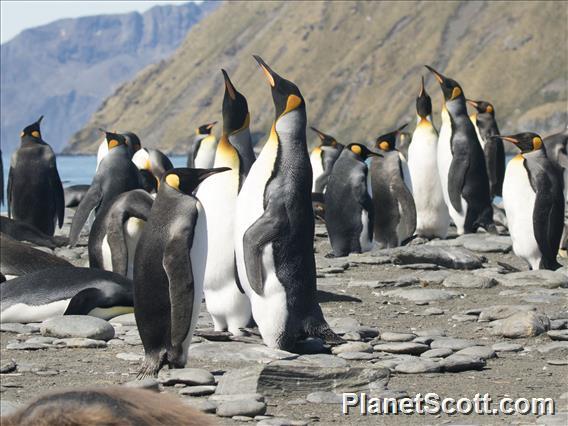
[
  {"x": 200, "y": 137},
  {"x": 534, "y": 155},
  {"x": 227, "y": 155},
  {"x": 30, "y": 140},
  {"x": 423, "y": 121},
  {"x": 456, "y": 108},
  {"x": 119, "y": 151},
  {"x": 291, "y": 128}
]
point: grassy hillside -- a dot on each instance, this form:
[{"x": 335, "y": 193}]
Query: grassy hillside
[{"x": 357, "y": 64}]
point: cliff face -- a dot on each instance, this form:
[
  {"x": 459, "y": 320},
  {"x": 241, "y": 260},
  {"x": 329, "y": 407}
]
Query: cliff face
[
  {"x": 358, "y": 65},
  {"x": 64, "y": 70}
]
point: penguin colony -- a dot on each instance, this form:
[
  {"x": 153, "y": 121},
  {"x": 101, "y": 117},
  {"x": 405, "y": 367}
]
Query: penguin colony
[{"x": 238, "y": 230}]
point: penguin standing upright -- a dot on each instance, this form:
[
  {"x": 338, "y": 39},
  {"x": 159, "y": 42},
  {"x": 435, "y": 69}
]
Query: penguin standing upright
[
  {"x": 132, "y": 142},
  {"x": 432, "y": 217},
  {"x": 35, "y": 192},
  {"x": 534, "y": 202},
  {"x": 394, "y": 209},
  {"x": 116, "y": 174},
  {"x": 485, "y": 127},
  {"x": 461, "y": 163},
  {"x": 202, "y": 152},
  {"x": 1, "y": 179},
  {"x": 349, "y": 208},
  {"x": 323, "y": 158},
  {"x": 274, "y": 227},
  {"x": 168, "y": 270},
  {"x": 152, "y": 164},
  {"x": 228, "y": 306}
]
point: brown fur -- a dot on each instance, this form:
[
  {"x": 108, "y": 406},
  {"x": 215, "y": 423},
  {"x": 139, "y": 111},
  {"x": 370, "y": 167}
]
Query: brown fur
[{"x": 111, "y": 406}]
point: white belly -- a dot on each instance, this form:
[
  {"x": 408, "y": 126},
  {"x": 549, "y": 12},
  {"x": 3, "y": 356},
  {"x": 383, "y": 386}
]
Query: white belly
[
  {"x": 518, "y": 200},
  {"x": 102, "y": 151},
  {"x": 107, "y": 255},
  {"x": 364, "y": 241},
  {"x": 317, "y": 167},
  {"x": 132, "y": 231},
  {"x": 432, "y": 217},
  {"x": 205, "y": 156},
  {"x": 22, "y": 313}
]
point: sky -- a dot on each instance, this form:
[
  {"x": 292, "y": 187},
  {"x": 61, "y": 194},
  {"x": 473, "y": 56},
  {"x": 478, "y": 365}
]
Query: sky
[{"x": 19, "y": 15}]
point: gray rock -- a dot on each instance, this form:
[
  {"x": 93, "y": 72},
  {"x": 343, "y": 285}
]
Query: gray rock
[
  {"x": 430, "y": 312},
  {"x": 203, "y": 405},
  {"x": 320, "y": 360},
  {"x": 343, "y": 325},
  {"x": 116, "y": 342},
  {"x": 418, "y": 366},
  {"x": 13, "y": 327},
  {"x": 554, "y": 347},
  {"x": 486, "y": 243},
  {"x": 456, "y": 363},
  {"x": 422, "y": 294},
  {"x": 77, "y": 326},
  {"x": 358, "y": 356},
  {"x": 197, "y": 390},
  {"x": 8, "y": 407},
  {"x": 352, "y": 347},
  {"x": 468, "y": 280},
  {"x": 365, "y": 259},
  {"x": 360, "y": 283},
  {"x": 502, "y": 311},
  {"x": 524, "y": 324},
  {"x": 558, "y": 334},
  {"x": 464, "y": 318},
  {"x": 41, "y": 339},
  {"x": 217, "y": 398},
  {"x": 542, "y": 298},
  {"x": 451, "y": 343},
  {"x": 148, "y": 383},
  {"x": 430, "y": 332},
  {"x": 187, "y": 376},
  {"x": 242, "y": 419},
  {"x": 26, "y": 346},
  {"x": 437, "y": 353},
  {"x": 425, "y": 340},
  {"x": 558, "y": 324},
  {"x": 281, "y": 421},
  {"x": 429, "y": 278},
  {"x": 8, "y": 367},
  {"x": 449, "y": 257},
  {"x": 421, "y": 266},
  {"x": 235, "y": 352},
  {"x": 324, "y": 398},
  {"x": 506, "y": 347},
  {"x": 125, "y": 319},
  {"x": 484, "y": 352},
  {"x": 245, "y": 407},
  {"x": 352, "y": 336},
  {"x": 411, "y": 348},
  {"x": 397, "y": 337},
  {"x": 79, "y": 342},
  {"x": 129, "y": 356},
  {"x": 557, "y": 419},
  {"x": 538, "y": 278}
]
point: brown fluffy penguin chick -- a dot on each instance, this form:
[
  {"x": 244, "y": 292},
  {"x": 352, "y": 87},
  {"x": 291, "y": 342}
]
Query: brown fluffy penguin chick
[{"x": 110, "y": 406}]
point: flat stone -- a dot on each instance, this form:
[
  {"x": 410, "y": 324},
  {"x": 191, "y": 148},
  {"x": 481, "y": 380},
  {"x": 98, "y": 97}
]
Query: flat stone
[
  {"x": 147, "y": 383},
  {"x": 187, "y": 376},
  {"x": 319, "y": 360},
  {"x": 324, "y": 398},
  {"x": 524, "y": 324},
  {"x": 558, "y": 324},
  {"x": 558, "y": 334},
  {"x": 430, "y": 312},
  {"x": 343, "y": 325},
  {"x": 448, "y": 257},
  {"x": 235, "y": 352},
  {"x": 203, "y": 405},
  {"x": 484, "y": 243},
  {"x": 542, "y": 298},
  {"x": 281, "y": 421},
  {"x": 418, "y": 366},
  {"x": 464, "y": 318},
  {"x": 197, "y": 390},
  {"x": 421, "y": 266},
  {"x": 506, "y": 347},
  {"x": 468, "y": 280},
  {"x": 554, "y": 347},
  {"x": 79, "y": 342},
  {"x": 8, "y": 367},
  {"x": 430, "y": 332},
  {"x": 537, "y": 278},
  {"x": 364, "y": 259},
  {"x": 124, "y": 319},
  {"x": 77, "y": 326},
  {"x": 352, "y": 336},
  {"x": 397, "y": 337},
  {"x": 358, "y": 356},
  {"x": 456, "y": 363},
  {"x": 41, "y": 339},
  {"x": 437, "y": 353},
  {"x": 557, "y": 361},
  {"x": 502, "y": 311},
  {"x": 245, "y": 407},
  {"x": 484, "y": 352},
  {"x": 411, "y": 348},
  {"x": 451, "y": 343},
  {"x": 14, "y": 327},
  {"x": 430, "y": 278},
  {"x": 129, "y": 356},
  {"x": 242, "y": 419},
  {"x": 26, "y": 346},
  {"x": 236, "y": 397},
  {"x": 352, "y": 347},
  {"x": 423, "y": 294}
]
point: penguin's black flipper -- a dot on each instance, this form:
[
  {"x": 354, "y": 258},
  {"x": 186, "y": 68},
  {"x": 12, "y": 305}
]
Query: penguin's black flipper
[
  {"x": 91, "y": 201},
  {"x": 85, "y": 301},
  {"x": 59, "y": 196},
  {"x": 196, "y": 146},
  {"x": 456, "y": 180},
  {"x": 9, "y": 190},
  {"x": 406, "y": 205}
]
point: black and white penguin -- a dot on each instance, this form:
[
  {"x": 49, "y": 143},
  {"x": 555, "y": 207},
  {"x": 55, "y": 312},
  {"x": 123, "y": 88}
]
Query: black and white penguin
[
  {"x": 229, "y": 308},
  {"x": 65, "y": 290},
  {"x": 116, "y": 174},
  {"x": 202, "y": 152},
  {"x": 432, "y": 217},
  {"x": 35, "y": 192},
  {"x": 132, "y": 142},
  {"x": 1, "y": 179},
  {"x": 274, "y": 227},
  {"x": 152, "y": 164},
  {"x": 485, "y": 126},
  {"x": 534, "y": 202},
  {"x": 349, "y": 212},
  {"x": 115, "y": 234},
  {"x": 21, "y": 231},
  {"x": 391, "y": 189},
  {"x": 322, "y": 159},
  {"x": 461, "y": 163},
  {"x": 169, "y": 267},
  {"x": 74, "y": 194}
]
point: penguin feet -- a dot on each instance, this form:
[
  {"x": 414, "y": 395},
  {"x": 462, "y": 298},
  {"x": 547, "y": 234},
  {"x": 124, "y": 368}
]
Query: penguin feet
[
  {"x": 320, "y": 328},
  {"x": 152, "y": 365}
]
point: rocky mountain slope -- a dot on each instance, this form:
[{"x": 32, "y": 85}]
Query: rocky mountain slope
[
  {"x": 65, "y": 69},
  {"x": 358, "y": 65}
]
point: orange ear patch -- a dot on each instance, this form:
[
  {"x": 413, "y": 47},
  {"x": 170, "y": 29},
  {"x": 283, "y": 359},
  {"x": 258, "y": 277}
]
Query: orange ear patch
[
  {"x": 384, "y": 145},
  {"x": 173, "y": 180},
  {"x": 356, "y": 149},
  {"x": 113, "y": 143},
  {"x": 489, "y": 109},
  {"x": 456, "y": 92},
  {"x": 537, "y": 143},
  {"x": 36, "y": 134},
  {"x": 292, "y": 103}
]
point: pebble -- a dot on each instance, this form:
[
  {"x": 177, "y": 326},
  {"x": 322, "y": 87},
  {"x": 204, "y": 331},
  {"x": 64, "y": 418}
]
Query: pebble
[
  {"x": 418, "y": 366},
  {"x": 430, "y": 332},
  {"x": 558, "y": 324},
  {"x": 197, "y": 390},
  {"x": 558, "y": 334},
  {"x": 77, "y": 326},
  {"x": 41, "y": 339},
  {"x": 46, "y": 373},
  {"x": 425, "y": 340},
  {"x": 8, "y": 367},
  {"x": 451, "y": 343},
  {"x": 537, "y": 278},
  {"x": 422, "y": 294},
  {"x": 323, "y": 397},
  {"x": 26, "y": 346},
  {"x": 449, "y": 257},
  {"x": 358, "y": 356},
  {"x": 430, "y": 312},
  {"x": 203, "y": 405},
  {"x": 506, "y": 347},
  {"x": 468, "y": 280},
  {"x": 352, "y": 347},
  {"x": 147, "y": 383},
  {"x": 553, "y": 347},
  {"x": 397, "y": 337},
  {"x": 280, "y": 421},
  {"x": 484, "y": 352},
  {"x": 79, "y": 342},
  {"x": 244, "y": 407},
  {"x": 343, "y": 325},
  {"x": 502, "y": 311},
  {"x": 13, "y": 327},
  {"x": 129, "y": 356},
  {"x": 188, "y": 376},
  {"x": 437, "y": 353},
  {"x": 464, "y": 318},
  {"x": 124, "y": 319},
  {"x": 352, "y": 336},
  {"x": 456, "y": 363},
  {"x": 523, "y": 324},
  {"x": 239, "y": 397},
  {"x": 242, "y": 419},
  {"x": 115, "y": 342},
  {"x": 7, "y": 407},
  {"x": 557, "y": 361},
  {"x": 402, "y": 348}
]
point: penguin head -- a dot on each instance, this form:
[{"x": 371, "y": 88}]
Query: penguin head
[
  {"x": 32, "y": 131},
  {"x": 361, "y": 151},
  {"x": 114, "y": 140},
  {"x": 387, "y": 142},
  {"x": 205, "y": 129},
  {"x": 423, "y": 103},
  {"x": 285, "y": 94},
  {"x": 482, "y": 107},
  {"x": 235, "y": 108},
  {"x": 526, "y": 142},
  {"x": 450, "y": 88},
  {"x": 326, "y": 140},
  {"x": 186, "y": 180},
  {"x": 133, "y": 142}
]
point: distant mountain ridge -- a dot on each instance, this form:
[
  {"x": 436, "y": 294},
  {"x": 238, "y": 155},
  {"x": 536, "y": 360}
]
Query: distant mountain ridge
[
  {"x": 65, "y": 69},
  {"x": 358, "y": 65}
]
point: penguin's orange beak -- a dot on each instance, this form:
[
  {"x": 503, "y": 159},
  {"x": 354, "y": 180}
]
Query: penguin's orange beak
[
  {"x": 229, "y": 85},
  {"x": 266, "y": 69},
  {"x": 438, "y": 76},
  {"x": 472, "y": 103},
  {"x": 509, "y": 139}
]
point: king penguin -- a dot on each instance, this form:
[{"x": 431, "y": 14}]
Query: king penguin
[
  {"x": 132, "y": 142},
  {"x": 391, "y": 190},
  {"x": 461, "y": 163},
  {"x": 152, "y": 164},
  {"x": 274, "y": 227},
  {"x": 349, "y": 208},
  {"x": 486, "y": 126},
  {"x": 35, "y": 192},
  {"x": 322, "y": 158},
  {"x": 432, "y": 217},
  {"x": 229, "y": 308},
  {"x": 202, "y": 152},
  {"x": 116, "y": 174},
  {"x": 169, "y": 266},
  {"x": 534, "y": 202}
]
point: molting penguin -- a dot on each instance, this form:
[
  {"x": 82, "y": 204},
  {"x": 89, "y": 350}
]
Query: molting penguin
[
  {"x": 169, "y": 266},
  {"x": 132, "y": 142},
  {"x": 403, "y": 141},
  {"x": 116, "y": 174},
  {"x": 322, "y": 159},
  {"x": 65, "y": 290},
  {"x": 202, "y": 152},
  {"x": 229, "y": 307},
  {"x": 35, "y": 192},
  {"x": 534, "y": 202},
  {"x": 391, "y": 190},
  {"x": 485, "y": 127},
  {"x": 115, "y": 234},
  {"x": 152, "y": 164},
  {"x": 349, "y": 208},
  {"x": 274, "y": 227},
  {"x": 461, "y": 163},
  {"x": 432, "y": 217}
]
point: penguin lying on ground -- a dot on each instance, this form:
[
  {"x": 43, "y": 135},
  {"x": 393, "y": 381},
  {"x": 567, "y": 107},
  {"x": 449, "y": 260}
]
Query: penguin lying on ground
[
  {"x": 274, "y": 228},
  {"x": 202, "y": 151},
  {"x": 74, "y": 194},
  {"x": 152, "y": 164},
  {"x": 322, "y": 159},
  {"x": 349, "y": 211},
  {"x": 169, "y": 266},
  {"x": 21, "y": 231},
  {"x": 534, "y": 202},
  {"x": 65, "y": 290},
  {"x": 394, "y": 209}
]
